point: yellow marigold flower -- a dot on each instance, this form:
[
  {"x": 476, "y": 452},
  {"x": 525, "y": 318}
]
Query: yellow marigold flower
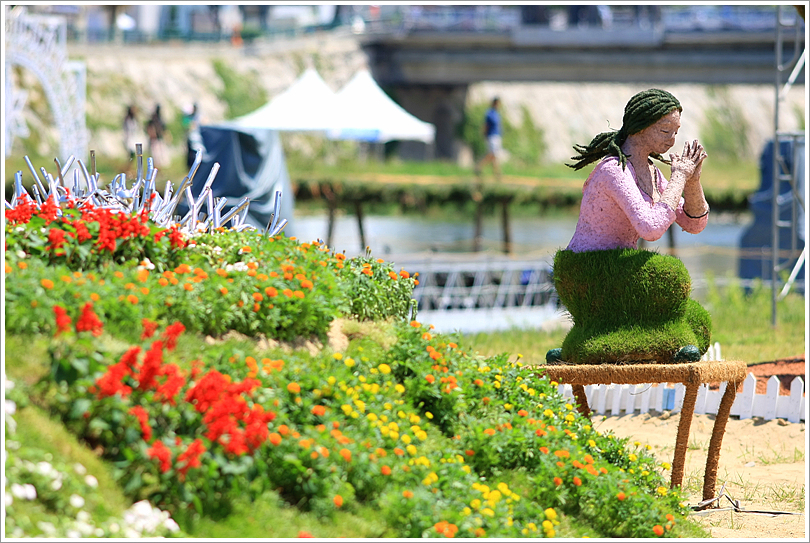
[
  {"x": 488, "y": 512},
  {"x": 662, "y": 490},
  {"x": 548, "y": 413},
  {"x": 429, "y": 415},
  {"x": 385, "y": 369},
  {"x": 547, "y": 525},
  {"x": 632, "y": 457},
  {"x": 337, "y": 356},
  {"x": 349, "y": 362},
  {"x": 466, "y": 511},
  {"x": 666, "y": 465},
  {"x": 551, "y": 514},
  {"x": 371, "y": 417},
  {"x": 411, "y": 450},
  {"x": 406, "y": 438}
]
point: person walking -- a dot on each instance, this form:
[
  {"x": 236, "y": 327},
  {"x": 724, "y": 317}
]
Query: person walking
[
  {"x": 131, "y": 131},
  {"x": 156, "y": 132},
  {"x": 492, "y": 132}
]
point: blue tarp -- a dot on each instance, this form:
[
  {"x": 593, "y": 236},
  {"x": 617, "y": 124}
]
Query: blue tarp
[{"x": 251, "y": 164}]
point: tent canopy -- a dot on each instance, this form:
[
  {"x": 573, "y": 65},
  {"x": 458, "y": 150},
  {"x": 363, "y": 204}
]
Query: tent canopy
[
  {"x": 359, "y": 111},
  {"x": 307, "y": 105},
  {"x": 373, "y": 116}
]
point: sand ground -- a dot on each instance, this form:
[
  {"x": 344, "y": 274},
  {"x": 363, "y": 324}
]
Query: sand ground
[{"x": 762, "y": 464}]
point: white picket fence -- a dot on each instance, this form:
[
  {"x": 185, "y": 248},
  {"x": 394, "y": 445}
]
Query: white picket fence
[{"x": 616, "y": 399}]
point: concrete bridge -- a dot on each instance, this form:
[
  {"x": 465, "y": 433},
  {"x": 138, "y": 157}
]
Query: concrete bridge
[{"x": 429, "y": 71}]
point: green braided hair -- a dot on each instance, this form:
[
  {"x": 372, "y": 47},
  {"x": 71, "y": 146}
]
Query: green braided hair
[{"x": 643, "y": 110}]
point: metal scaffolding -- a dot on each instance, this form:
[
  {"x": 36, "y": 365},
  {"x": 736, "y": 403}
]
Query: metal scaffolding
[{"x": 787, "y": 207}]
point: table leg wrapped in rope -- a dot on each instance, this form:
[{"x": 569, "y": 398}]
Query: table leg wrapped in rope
[{"x": 691, "y": 374}]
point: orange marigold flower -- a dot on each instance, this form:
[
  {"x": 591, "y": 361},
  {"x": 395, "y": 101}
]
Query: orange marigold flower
[
  {"x": 588, "y": 458},
  {"x": 658, "y": 530},
  {"x": 404, "y": 274},
  {"x": 271, "y": 292},
  {"x": 490, "y": 431},
  {"x": 188, "y": 286},
  {"x": 407, "y": 494},
  {"x": 163, "y": 281},
  {"x": 469, "y": 452},
  {"x": 118, "y": 274},
  {"x": 223, "y": 291},
  {"x": 258, "y": 297},
  {"x": 392, "y": 275},
  {"x": 319, "y": 410},
  {"x": 346, "y": 454},
  {"x": 621, "y": 496},
  {"x": 8, "y": 268},
  {"x": 298, "y": 294},
  {"x": 246, "y": 249},
  {"x": 338, "y": 500},
  {"x": 46, "y": 283},
  {"x": 670, "y": 517},
  {"x": 306, "y": 283},
  {"x": 398, "y": 451},
  {"x": 385, "y": 470},
  {"x": 544, "y": 450},
  {"x": 287, "y": 292},
  {"x": 132, "y": 299},
  {"x": 560, "y": 464},
  {"x": 523, "y": 413},
  {"x": 283, "y": 429},
  {"x": 429, "y": 378},
  {"x": 557, "y": 481},
  {"x": 562, "y": 454},
  {"x": 435, "y": 355},
  {"x": 415, "y": 324},
  {"x": 577, "y": 481},
  {"x": 295, "y": 388},
  {"x": 221, "y": 272}
]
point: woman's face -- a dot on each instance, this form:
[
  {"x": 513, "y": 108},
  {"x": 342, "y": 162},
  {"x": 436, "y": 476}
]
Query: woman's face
[{"x": 660, "y": 136}]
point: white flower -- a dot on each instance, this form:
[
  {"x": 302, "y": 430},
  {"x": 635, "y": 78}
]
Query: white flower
[
  {"x": 114, "y": 528},
  {"x": 24, "y": 492},
  {"x": 171, "y": 525},
  {"x": 11, "y": 407},
  {"x": 146, "y": 264},
  {"x": 99, "y": 532},
  {"x": 76, "y": 501},
  {"x": 46, "y": 527},
  {"x": 46, "y": 469},
  {"x": 21, "y": 254},
  {"x": 83, "y": 516},
  {"x": 217, "y": 250},
  {"x": 84, "y": 528},
  {"x": 91, "y": 481},
  {"x": 78, "y": 468},
  {"x": 75, "y": 534},
  {"x": 9, "y": 382},
  {"x": 8, "y": 498},
  {"x": 56, "y": 484}
]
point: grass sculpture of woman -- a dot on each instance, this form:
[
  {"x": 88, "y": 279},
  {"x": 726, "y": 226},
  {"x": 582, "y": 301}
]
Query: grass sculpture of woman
[{"x": 631, "y": 305}]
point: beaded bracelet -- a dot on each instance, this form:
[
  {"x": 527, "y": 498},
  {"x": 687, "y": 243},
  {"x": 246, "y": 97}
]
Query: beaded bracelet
[{"x": 699, "y": 216}]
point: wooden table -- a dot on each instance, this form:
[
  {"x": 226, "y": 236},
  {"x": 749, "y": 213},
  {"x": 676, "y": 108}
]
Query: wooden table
[{"x": 691, "y": 374}]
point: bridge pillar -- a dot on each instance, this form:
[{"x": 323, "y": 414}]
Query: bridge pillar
[{"x": 442, "y": 105}]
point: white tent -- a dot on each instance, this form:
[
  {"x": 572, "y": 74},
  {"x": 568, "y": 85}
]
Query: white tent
[
  {"x": 307, "y": 105},
  {"x": 370, "y": 115}
]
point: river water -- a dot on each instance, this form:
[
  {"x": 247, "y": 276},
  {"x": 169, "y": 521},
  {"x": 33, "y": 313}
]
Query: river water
[{"x": 715, "y": 251}]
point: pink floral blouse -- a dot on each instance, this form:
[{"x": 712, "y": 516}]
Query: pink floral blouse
[{"x": 615, "y": 212}]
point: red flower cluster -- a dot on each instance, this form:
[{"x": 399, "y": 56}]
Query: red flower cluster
[
  {"x": 63, "y": 320},
  {"x": 162, "y": 453},
  {"x": 143, "y": 418},
  {"x": 171, "y": 334},
  {"x": 228, "y": 418},
  {"x": 89, "y": 321},
  {"x": 149, "y": 328},
  {"x": 190, "y": 458}
]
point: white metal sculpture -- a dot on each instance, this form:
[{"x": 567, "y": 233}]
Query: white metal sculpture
[{"x": 39, "y": 43}]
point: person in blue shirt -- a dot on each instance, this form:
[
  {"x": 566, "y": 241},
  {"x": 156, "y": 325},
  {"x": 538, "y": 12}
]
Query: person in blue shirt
[{"x": 492, "y": 132}]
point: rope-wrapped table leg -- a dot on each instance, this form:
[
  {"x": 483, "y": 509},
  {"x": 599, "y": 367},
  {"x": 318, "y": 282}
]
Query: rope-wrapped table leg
[
  {"x": 582, "y": 400},
  {"x": 682, "y": 441},
  {"x": 713, "y": 459}
]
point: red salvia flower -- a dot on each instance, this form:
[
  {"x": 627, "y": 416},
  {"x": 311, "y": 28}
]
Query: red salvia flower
[
  {"x": 143, "y": 418},
  {"x": 56, "y": 238},
  {"x": 190, "y": 458},
  {"x": 170, "y": 388},
  {"x": 63, "y": 320},
  {"x": 151, "y": 366},
  {"x": 149, "y": 328},
  {"x": 171, "y": 334},
  {"x": 89, "y": 321},
  {"x": 162, "y": 453}
]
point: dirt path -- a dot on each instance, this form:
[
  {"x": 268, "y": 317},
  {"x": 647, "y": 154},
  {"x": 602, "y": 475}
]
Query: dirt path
[{"x": 762, "y": 464}]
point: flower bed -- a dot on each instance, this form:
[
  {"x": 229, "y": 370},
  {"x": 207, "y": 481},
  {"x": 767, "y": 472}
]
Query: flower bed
[{"x": 438, "y": 441}]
